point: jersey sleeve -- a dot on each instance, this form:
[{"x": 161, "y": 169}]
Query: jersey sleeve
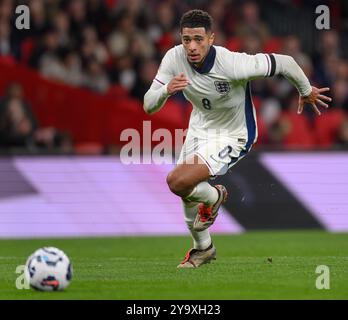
[
  {"x": 247, "y": 67},
  {"x": 166, "y": 70}
]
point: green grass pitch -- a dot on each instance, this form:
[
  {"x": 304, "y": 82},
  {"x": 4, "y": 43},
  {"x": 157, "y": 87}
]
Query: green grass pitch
[{"x": 145, "y": 267}]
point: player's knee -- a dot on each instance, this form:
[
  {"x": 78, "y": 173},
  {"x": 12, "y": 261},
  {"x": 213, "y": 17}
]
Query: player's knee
[
  {"x": 178, "y": 185},
  {"x": 173, "y": 182}
]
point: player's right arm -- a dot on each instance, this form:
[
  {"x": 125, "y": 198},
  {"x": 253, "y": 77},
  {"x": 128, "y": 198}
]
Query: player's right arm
[
  {"x": 165, "y": 84},
  {"x": 158, "y": 93},
  {"x": 155, "y": 97}
]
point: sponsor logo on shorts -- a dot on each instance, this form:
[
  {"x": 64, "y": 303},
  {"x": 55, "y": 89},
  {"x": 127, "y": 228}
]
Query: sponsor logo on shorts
[{"x": 225, "y": 152}]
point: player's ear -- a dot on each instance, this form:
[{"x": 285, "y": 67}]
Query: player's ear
[{"x": 211, "y": 38}]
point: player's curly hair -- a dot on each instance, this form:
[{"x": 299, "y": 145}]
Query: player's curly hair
[{"x": 195, "y": 19}]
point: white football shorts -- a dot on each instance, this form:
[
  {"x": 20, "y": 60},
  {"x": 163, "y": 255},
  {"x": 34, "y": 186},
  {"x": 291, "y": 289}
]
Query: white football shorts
[{"x": 219, "y": 153}]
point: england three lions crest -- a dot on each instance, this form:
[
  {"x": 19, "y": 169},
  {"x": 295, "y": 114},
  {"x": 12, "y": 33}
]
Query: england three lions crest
[{"x": 222, "y": 87}]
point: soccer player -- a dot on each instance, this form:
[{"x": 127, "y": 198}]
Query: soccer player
[{"x": 222, "y": 126}]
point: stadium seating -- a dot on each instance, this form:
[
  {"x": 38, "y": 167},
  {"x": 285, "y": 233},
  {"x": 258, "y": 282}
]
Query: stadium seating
[{"x": 326, "y": 128}]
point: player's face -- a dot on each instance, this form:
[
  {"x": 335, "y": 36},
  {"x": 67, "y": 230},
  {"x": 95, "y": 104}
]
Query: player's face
[{"x": 196, "y": 42}]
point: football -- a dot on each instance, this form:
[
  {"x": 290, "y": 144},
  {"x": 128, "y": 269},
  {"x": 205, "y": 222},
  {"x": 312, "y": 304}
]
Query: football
[{"x": 48, "y": 269}]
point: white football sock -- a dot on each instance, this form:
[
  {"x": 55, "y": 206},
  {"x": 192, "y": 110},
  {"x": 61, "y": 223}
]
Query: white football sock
[
  {"x": 203, "y": 192},
  {"x": 201, "y": 239}
]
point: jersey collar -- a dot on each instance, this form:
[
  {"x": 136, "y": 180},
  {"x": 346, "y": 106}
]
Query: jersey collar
[{"x": 208, "y": 62}]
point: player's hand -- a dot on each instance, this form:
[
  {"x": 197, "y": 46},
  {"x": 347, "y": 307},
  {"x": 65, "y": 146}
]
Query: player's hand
[
  {"x": 178, "y": 83},
  {"x": 315, "y": 97}
]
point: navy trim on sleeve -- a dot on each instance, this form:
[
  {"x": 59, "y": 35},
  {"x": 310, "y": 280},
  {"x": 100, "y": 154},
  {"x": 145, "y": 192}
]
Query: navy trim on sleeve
[{"x": 273, "y": 65}]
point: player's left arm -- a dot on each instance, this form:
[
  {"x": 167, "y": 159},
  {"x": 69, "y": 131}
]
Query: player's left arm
[
  {"x": 287, "y": 66},
  {"x": 250, "y": 67}
]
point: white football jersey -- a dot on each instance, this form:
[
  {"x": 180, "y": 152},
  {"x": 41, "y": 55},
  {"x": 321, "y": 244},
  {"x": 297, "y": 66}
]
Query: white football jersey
[{"x": 219, "y": 91}]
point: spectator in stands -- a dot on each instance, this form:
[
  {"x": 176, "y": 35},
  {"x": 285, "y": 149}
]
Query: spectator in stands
[
  {"x": 342, "y": 136},
  {"x": 342, "y": 70},
  {"x": 97, "y": 15},
  {"x": 9, "y": 46},
  {"x": 165, "y": 16},
  {"x": 77, "y": 10},
  {"x": 127, "y": 39},
  {"x": 160, "y": 28},
  {"x": 290, "y": 130},
  {"x": 250, "y": 23},
  {"x": 47, "y": 48},
  {"x": 217, "y": 9},
  {"x": 65, "y": 67},
  {"x": 38, "y": 20},
  {"x": 329, "y": 43},
  {"x": 61, "y": 23},
  {"x": 17, "y": 123},
  {"x": 6, "y": 10},
  {"x": 328, "y": 58},
  {"x": 270, "y": 111},
  {"x": 340, "y": 94},
  {"x": 145, "y": 76},
  {"x": 92, "y": 47},
  {"x": 19, "y": 128},
  {"x": 119, "y": 39},
  {"x": 140, "y": 10},
  {"x": 123, "y": 71},
  {"x": 251, "y": 44},
  {"x": 95, "y": 77}
]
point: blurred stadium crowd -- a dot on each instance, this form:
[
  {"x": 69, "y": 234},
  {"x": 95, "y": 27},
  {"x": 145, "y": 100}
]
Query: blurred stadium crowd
[{"x": 100, "y": 44}]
